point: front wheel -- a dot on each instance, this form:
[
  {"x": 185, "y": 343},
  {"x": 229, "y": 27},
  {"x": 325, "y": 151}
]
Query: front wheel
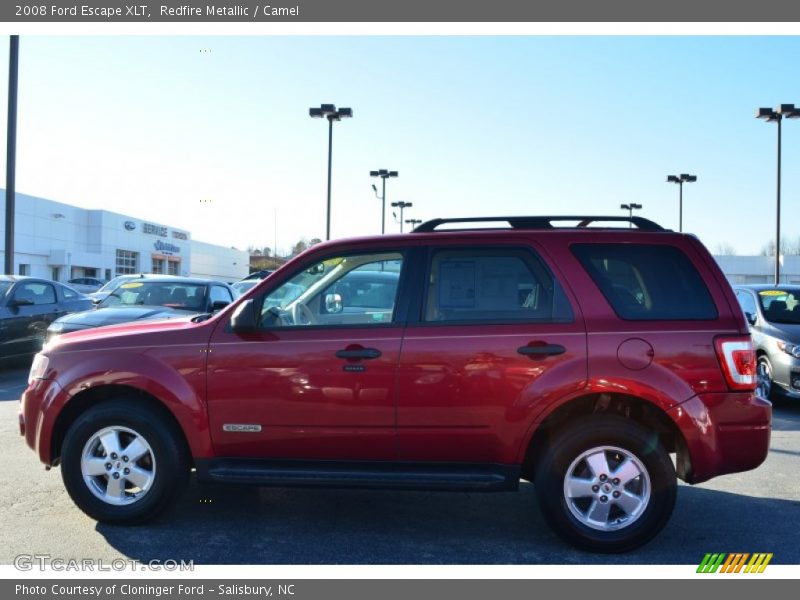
[
  {"x": 122, "y": 462},
  {"x": 764, "y": 386},
  {"x": 606, "y": 484}
]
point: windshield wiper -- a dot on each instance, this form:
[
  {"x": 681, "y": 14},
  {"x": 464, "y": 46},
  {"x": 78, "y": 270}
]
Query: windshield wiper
[{"x": 201, "y": 317}]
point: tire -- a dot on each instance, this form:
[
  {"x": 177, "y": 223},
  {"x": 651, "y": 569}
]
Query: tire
[
  {"x": 766, "y": 388},
  {"x": 574, "y": 508},
  {"x": 157, "y": 470}
]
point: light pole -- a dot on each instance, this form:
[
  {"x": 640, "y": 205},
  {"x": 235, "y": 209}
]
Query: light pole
[
  {"x": 680, "y": 180},
  {"x": 413, "y": 222},
  {"x": 402, "y": 206},
  {"x": 329, "y": 111},
  {"x": 790, "y": 112},
  {"x": 11, "y": 153},
  {"x": 383, "y": 174},
  {"x": 630, "y": 208}
]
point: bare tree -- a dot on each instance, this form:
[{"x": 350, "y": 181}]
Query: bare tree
[{"x": 725, "y": 249}]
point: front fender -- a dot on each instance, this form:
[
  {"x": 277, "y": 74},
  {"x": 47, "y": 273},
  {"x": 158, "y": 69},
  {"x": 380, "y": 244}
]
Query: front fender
[{"x": 173, "y": 375}]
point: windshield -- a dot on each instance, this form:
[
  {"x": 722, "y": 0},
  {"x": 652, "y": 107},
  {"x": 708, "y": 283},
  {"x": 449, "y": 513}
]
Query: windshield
[
  {"x": 4, "y": 285},
  {"x": 780, "y": 306},
  {"x": 244, "y": 286},
  {"x": 114, "y": 283},
  {"x": 170, "y": 294}
]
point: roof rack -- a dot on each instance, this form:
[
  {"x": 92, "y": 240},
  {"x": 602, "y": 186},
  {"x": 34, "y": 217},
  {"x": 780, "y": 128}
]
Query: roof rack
[{"x": 541, "y": 222}]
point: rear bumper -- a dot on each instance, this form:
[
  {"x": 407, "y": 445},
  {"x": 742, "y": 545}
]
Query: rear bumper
[{"x": 724, "y": 433}]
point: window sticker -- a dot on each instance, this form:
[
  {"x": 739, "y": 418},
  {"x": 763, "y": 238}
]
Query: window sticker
[
  {"x": 771, "y": 293},
  {"x": 457, "y": 284},
  {"x": 129, "y": 286}
]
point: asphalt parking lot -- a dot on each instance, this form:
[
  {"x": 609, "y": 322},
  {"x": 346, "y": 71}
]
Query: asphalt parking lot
[{"x": 757, "y": 511}]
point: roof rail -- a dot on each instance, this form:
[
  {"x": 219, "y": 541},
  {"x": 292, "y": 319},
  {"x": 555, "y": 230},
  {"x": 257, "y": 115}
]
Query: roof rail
[{"x": 541, "y": 222}]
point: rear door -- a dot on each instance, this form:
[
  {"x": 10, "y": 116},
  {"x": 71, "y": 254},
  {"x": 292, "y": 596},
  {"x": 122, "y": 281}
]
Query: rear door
[{"x": 495, "y": 335}]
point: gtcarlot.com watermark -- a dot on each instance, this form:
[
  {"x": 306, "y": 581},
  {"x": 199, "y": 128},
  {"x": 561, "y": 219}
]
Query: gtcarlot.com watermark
[{"x": 42, "y": 562}]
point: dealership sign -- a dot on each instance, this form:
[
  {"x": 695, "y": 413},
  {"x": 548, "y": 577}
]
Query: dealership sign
[
  {"x": 166, "y": 247},
  {"x": 159, "y": 230},
  {"x": 130, "y": 225}
]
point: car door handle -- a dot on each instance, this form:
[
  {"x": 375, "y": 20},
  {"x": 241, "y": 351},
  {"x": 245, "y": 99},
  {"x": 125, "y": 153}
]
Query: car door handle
[
  {"x": 356, "y": 353},
  {"x": 542, "y": 350}
]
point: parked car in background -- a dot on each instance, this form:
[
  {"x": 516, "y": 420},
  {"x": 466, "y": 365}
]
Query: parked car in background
[
  {"x": 110, "y": 286},
  {"x": 773, "y": 313},
  {"x": 86, "y": 285},
  {"x": 258, "y": 275},
  {"x": 244, "y": 286},
  {"x": 577, "y": 356},
  {"x": 153, "y": 297},
  {"x": 27, "y": 307}
]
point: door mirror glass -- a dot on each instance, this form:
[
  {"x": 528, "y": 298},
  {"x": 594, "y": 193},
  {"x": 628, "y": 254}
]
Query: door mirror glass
[
  {"x": 244, "y": 317},
  {"x": 218, "y": 305},
  {"x": 333, "y": 303}
]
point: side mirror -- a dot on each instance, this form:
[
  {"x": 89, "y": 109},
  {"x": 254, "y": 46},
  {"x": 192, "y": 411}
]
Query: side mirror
[
  {"x": 751, "y": 318},
  {"x": 333, "y": 303},
  {"x": 96, "y": 301},
  {"x": 17, "y": 302},
  {"x": 244, "y": 317},
  {"x": 219, "y": 305}
]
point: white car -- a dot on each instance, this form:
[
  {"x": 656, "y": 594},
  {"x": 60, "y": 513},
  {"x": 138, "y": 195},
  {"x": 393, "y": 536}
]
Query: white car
[{"x": 86, "y": 285}]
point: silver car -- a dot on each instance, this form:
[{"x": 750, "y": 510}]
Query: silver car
[{"x": 774, "y": 316}]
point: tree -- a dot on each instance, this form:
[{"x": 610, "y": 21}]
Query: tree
[
  {"x": 299, "y": 247},
  {"x": 768, "y": 249},
  {"x": 725, "y": 249}
]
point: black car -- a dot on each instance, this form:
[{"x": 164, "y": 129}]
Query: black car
[
  {"x": 258, "y": 274},
  {"x": 153, "y": 297},
  {"x": 27, "y": 307}
]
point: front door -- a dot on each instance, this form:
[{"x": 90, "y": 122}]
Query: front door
[
  {"x": 317, "y": 380},
  {"x": 496, "y": 338}
]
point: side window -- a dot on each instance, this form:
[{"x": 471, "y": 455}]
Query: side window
[
  {"x": 220, "y": 294},
  {"x": 647, "y": 282},
  {"x": 37, "y": 293},
  {"x": 340, "y": 291},
  {"x": 492, "y": 285},
  {"x": 68, "y": 293},
  {"x": 747, "y": 302}
]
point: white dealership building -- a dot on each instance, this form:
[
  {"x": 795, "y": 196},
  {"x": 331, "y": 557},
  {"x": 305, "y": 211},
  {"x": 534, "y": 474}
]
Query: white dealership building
[{"x": 59, "y": 241}]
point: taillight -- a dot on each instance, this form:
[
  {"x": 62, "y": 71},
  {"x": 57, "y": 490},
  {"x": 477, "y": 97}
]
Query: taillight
[{"x": 738, "y": 360}]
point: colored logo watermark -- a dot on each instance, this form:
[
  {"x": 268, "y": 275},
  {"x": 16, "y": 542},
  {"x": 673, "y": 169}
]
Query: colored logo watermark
[{"x": 737, "y": 562}]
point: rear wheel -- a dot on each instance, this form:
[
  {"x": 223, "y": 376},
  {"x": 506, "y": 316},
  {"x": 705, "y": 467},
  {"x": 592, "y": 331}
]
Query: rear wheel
[
  {"x": 606, "y": 484},
  {"x": 122, "y": 462}
]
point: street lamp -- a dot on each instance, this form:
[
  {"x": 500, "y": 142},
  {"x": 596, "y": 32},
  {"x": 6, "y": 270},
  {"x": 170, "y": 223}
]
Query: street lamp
[
  {"x": 383, "y": 174},
  {"x": 630, "y": 208},
  {"x": 329, "y": 111},
  {"x": 680, "y": 180},
  {"x": 769, "y": 115},
  {"x": 11, "y": 153},
  {"x": 413, "y": 222},
  {"x": 402, "y": 206}
]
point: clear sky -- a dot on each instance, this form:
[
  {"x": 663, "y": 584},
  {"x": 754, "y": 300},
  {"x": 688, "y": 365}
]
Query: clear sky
[{"x": 212, "y": 134}]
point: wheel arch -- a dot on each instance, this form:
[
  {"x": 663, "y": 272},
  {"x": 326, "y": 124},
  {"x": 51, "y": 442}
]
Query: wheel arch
[
  {"x": 639, "y": 410},
  {"x": 94, "y": 396}
]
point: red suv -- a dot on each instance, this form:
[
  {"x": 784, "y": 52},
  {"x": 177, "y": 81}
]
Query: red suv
[{"x": 567, "y": 351}]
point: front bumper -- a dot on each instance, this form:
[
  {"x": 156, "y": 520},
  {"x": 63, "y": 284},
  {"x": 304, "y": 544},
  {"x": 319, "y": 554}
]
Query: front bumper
[
  {"x": 786, "y": 373},
  {"x": 34, "y": 424},
  {"x": 724, "y": 433}
]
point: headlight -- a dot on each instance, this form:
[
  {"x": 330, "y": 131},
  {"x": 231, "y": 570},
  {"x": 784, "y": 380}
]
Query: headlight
[
  {"x": 56, "y": 327},
  {"x": 792, "y": 349},
  {"x": 38, "y": 368}
]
